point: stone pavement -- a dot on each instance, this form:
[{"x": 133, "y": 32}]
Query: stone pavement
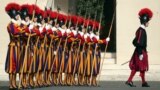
[
  {"x": 114, "y": 72},
  {"x": 104, "y": 85}
]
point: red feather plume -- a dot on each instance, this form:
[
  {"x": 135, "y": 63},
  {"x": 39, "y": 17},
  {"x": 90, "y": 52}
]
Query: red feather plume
[
  {"x": 28, "y": 7},
  {"x": 53, "y": 14},
  {"x": 145, "y": 11},
  {"x": 69, "y": 17},
  {"x": 24, "y": 6},
  {"x": 81, "y": 20},
  {"x": 65, "y": 18},
  {"x": 62, "y": 17},
  {"x": 11, "y": 6},
  {"x": 41, "y": 12},
  {"x": 46, "y": 13},
  {"x": 74, "y": 19},
  {"x": 88, "y": 22},
  {"x": 36, "y": 8},
  {"x": 95, "y": 24}
]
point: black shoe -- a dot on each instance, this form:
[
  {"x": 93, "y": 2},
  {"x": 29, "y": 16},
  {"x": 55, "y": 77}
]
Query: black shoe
[
  {"x": 15, "y": 88},
  {"x": 31, "y": 87},
  {"x": 145, "y": 84},
  {"x": 11, "y": 88},
  {"x": 130, "y": 84}
]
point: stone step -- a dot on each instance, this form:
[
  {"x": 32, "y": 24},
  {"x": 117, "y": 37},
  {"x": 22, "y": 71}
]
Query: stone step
[
  {"x": 108, "y": 61},
  {"x": 108, "y": 55}
]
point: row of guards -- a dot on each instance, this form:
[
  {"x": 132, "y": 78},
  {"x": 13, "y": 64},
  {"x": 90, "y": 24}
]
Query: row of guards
[{"x": 48, "y": 48}]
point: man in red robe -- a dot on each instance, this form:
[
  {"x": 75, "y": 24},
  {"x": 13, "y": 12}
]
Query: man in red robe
[{"x": 139, "y": 60}]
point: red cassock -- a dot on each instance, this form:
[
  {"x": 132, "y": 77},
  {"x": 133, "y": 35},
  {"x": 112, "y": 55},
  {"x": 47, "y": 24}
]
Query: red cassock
[{"x": 140, "y": 42}]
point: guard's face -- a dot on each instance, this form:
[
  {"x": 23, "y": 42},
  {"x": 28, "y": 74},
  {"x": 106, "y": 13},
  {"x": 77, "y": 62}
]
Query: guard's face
[
  {"x": 64, "y": 27},
  {"x": 83, "y": 30},
  {"x": 71, "y": 28},
  {"x": 51, "y": 21},
  {"x": 35, "y": 19},
  {"x": 97, "y": 33},
  {"x": 57, "y": 25},
  {"x": 147, "y": 24},
  {"x": 27, "y": 19},
  {"x": 43, "y": 21},
  {"x": 17, "y": 17}
]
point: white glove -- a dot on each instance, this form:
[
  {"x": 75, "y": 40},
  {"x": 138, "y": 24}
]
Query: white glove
[
  {"x": 24, "y": 22},
  {"x": 55, "y": 52},
  {"x": 141, "y": 57},
  {"x": 74, "y": 32},
  {"x": 54, "y": 28},
  {"x": 47, "y": 27},
  {"x": 30, "y": 26},
  {"x": 92, "y": 35},
  {"x": 32, "y": 54},
  {"x": 97, "y": 37},
  {"x": 68, "y": 31},
  {"x": 108, "y": 39},
  {"x": 40, "y": 29},
  {"x": 81, "y": 33},
  {"x": 85, "y": 36},
  {"x": 39, "y": 24},
  {"x": 62, "y": 30}
]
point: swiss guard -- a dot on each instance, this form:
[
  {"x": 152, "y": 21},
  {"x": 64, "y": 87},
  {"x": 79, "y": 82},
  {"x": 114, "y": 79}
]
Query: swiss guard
[
  {"x": 49, "y": 48},
  {"x": 25, "y": 22},
  {"x": 139, "y": 60},
  {"x": 14, "y": 31}
]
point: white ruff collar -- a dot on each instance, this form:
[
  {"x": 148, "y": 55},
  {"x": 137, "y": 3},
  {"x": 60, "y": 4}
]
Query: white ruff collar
[{"x": 142, "y": 26}]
